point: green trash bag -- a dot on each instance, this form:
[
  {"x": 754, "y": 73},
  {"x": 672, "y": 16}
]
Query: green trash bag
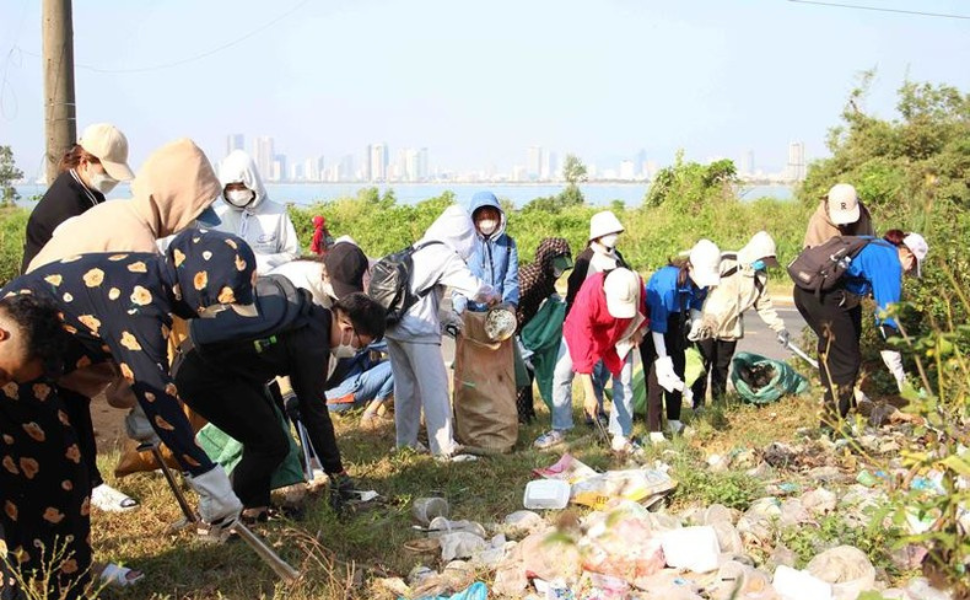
[
  {"x": 543, "y": 335},
  {"x": 226, "y": 451},
  {"x": 693, "y": 370},
  {"x": 760, "y": 380}
]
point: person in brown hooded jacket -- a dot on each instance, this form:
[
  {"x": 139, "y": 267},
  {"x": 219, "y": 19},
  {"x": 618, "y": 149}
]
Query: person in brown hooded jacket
[
  {"x": 840, "y": 213},
  {"x": 173, "y": 191}
]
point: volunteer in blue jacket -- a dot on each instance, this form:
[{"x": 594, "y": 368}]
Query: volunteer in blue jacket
[
  {"x": 672, "y": 291},
  {"x": 496, "y": 257},
  {"x": 836, "y": 315}
]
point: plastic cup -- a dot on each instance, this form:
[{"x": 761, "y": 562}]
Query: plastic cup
[{"x": 426, "y": 509}]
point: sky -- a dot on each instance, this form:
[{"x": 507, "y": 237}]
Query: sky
[{"x": 477, "y": 83}]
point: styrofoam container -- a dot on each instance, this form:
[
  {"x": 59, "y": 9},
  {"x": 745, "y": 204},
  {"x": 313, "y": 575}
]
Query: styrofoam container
[
  {"x": 546, "y": 494},
  {"x": 800, "y": 585},
  {"x": 694, "y": 548}
]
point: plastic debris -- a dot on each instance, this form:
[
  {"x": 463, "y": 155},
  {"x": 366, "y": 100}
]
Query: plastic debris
[
  {"x": 848, "y": 570},
  {"x": 800, "y": 585},
  {"x": 694, "y": 548}
]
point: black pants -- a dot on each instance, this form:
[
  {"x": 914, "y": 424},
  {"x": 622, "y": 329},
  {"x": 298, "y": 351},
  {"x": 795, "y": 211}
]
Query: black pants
[
  {"x": 676, "y": 342},
  {"x": 716, "y": 355},
  {"x": 525, "y": 400},
  {"x": 836, "y": 318},
  {"x": 44, "y": 492},
  {"x": 244, "y": 410},
  {"x": 78, "y": 408}
]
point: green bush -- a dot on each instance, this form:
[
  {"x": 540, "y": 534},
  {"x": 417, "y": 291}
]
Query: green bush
[{"x": 13, "y": 223}]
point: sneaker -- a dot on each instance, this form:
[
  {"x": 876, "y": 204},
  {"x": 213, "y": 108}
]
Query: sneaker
[
  {"x": 109, "y": 499},
  {"x": 623, "y": 445},
  {"x": 675, "y": 427},
  {"x": 657, "y": 437},
  {"x": 550, "y": 439}
]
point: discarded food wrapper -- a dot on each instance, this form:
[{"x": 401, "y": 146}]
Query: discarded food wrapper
[
  {"x": 546, "y": 494},
  {"x": 567, "y": 468},
  {"x": 632, "y": 484}
]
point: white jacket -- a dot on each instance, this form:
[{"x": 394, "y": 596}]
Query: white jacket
[
  {"x": 741, "y": 288},
  {"x": 308, "y": 275},
  {"x": 437, "y": 266},
  {"x": 264, "y": 224}
]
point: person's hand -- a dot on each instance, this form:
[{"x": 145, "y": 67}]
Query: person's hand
[
  {"x": 783, "y": 337},
  {"x": 894, "y": 362},
  {"x": 218, "y": 504},
  {"x": 590, "y": 406},
  {"x": 698, "y": 331},
  {"x": 666, "y": 376},
  {"x": 342, "y": 491},
  {"x": 637, "y": 338}
]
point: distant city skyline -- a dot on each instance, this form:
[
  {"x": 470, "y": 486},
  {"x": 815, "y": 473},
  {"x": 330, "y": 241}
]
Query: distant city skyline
[
  {"x": 413, "y": 165},
  {"x": 618, "y": 83}
]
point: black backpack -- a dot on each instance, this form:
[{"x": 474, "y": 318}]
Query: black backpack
[
  {"x": 820, "y": 268},
  {"x": 390, "y": 282}
]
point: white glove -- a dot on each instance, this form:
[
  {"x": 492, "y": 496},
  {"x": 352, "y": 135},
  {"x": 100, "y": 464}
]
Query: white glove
[
  {"x": 218, "y": 504},
  {"x": 698, "y": 331},
  {"x": 894, "y": 362},
  {"x": 138, "y": 427},
  {"x": 666, "y": 376}
]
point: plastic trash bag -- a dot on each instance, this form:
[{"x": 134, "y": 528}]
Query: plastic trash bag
[
  {"x": 848, "y": 570},
  {"x": 784, "y": 379}
]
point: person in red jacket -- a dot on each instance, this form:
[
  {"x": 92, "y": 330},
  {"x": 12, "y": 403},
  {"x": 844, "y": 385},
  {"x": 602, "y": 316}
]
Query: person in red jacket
[{"x": 606, "y": 322}]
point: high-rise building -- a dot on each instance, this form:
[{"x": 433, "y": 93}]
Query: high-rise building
[
  {"x": 628, "y": 170},
  {"x": 533, "y": 163},
  {"x": 279, "y": 170},
  {"x": 310, "y": 171},
  {"x": 411, "y": 165},
  {"x": 378, "y": 162},
  {"x": 235, "y": 141},
  {"x": 550, "y": 166},
  {"x": 345, "y": 169},
  {"x": 263, "y": 155},
  {"x": 747, "y": 163},
  {"x": 424, "y": 168},
  {"x": 297, "y": 172},
  {"x": 796, "y": 169},
  {"x": 320, "y": 168}
]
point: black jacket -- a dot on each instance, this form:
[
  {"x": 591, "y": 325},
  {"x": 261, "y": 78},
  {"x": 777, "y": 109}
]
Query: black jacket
[
  {"x": 65, "y": 198},
  {"x": 580, "y": 269}
]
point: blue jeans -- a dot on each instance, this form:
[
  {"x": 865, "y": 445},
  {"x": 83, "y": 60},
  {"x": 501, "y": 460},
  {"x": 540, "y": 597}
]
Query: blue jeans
[
  {"x": 377, "y": 383},
  {"x": 621, "y": 417}
]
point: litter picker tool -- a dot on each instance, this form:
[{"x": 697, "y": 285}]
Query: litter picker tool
[
  {"x": 802, "y": 354},
  {"x": 265, "y": 553}
]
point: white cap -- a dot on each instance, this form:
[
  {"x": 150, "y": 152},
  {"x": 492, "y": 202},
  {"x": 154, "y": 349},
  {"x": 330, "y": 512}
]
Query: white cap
[
  {"x": 622, "y": 288},
  {"x": 843, "y": 204},
  {"x": 604, "y": 223},
  {"x": 110, "y": 146},
  {"x": 705, "y": 264},
  {"x": 918, "y": 246}
]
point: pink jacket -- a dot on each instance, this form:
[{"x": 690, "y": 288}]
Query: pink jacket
[{"x": 591, "y": 332}]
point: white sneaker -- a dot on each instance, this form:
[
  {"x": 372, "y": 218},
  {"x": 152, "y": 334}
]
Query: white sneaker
[
  {"x": 675, "y": 427},
  {"x": 109, "y": 499},
  {"x": 657, "y": 437},
  {"x": 620, "y": 443}
]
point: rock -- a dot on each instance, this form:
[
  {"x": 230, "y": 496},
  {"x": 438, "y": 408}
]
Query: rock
[
  {"x": 717, "y": 463},
  {"x": 779, "y": 455}
]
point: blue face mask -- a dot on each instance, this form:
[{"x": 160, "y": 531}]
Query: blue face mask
[{"x": 759, "y": 265}]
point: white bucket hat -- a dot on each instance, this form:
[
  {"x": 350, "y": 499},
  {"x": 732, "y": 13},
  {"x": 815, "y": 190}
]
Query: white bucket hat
[{"x": 604, "y": 223}]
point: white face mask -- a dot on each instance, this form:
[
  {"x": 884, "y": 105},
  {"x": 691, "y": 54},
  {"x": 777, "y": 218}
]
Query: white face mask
[
  {"x": 487, "y": 226},
  {"x": 343, "y": 350},
  {"x": 100, "y": 181},
  {"x": 240, "y": 198},
  {"x": 609, "y": 240}
]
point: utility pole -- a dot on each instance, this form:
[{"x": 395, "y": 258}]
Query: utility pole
[{"x": 59, "y": 109}]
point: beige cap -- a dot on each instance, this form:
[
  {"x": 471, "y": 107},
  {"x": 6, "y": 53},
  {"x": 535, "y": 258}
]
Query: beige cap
[
  {"x": 622, "y": 288},
  {"x": 110, "y": 146},
  {"x": 843, "y": 204}
]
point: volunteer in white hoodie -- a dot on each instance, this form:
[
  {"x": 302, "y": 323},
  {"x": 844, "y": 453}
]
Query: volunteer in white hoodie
[
  {"x": 744, "y": 285},
  {"x": 414, "y": 342},
  {"x": 248, "y": 212}
]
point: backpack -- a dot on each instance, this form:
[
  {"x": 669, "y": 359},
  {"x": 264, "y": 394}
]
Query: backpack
[
  {"x": 390, "y": 282},
  {"x": 820, "y": 268}
]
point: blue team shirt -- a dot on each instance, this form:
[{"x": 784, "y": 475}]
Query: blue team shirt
[
  {"x": 876, "y": 270},
  {"x": 665, "y": 297}
]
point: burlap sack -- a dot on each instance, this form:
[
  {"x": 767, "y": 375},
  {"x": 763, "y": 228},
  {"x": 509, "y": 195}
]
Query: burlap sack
[{"x": 486, "y": 419}]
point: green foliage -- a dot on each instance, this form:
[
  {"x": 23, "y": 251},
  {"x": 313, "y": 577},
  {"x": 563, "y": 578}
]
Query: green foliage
[
  {"x": 691, "y": 185},
  {"x": 573, "y": 169},
  {"x": 13, "y": 224},
  {"x": 877, "y": 541},
  {"x": 8, "y": 174}
]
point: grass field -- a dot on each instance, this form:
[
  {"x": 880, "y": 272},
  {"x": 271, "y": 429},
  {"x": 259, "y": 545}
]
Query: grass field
[{"x": 343, "y": 556}]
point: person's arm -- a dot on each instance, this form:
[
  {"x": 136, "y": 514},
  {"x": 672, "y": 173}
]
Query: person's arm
[
  {"x": 141, "y": 353},
  {"x": 308, "y": 350},
  {"x": 510, "y": 287},
  {"x": 885, "y": 275},
  {"x": 456, "y": 274},
  {"x": 658, "y": 302},
  {"x": 576, "y": 278},
  {"x": 288, "y": 246}
]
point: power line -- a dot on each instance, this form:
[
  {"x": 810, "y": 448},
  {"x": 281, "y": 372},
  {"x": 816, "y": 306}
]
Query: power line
[
  {"x": 879, "y": 9},
  {"x": 194, "y": 58}
]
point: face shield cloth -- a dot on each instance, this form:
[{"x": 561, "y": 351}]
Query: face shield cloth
[{"x": 208, "y": 268}]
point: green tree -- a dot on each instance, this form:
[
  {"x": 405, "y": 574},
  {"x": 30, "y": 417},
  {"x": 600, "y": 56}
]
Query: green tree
[
  {"x": 691, "y": 185},
  {"x": 573, "y": 169},
  {"x": 8, "y": 174}
]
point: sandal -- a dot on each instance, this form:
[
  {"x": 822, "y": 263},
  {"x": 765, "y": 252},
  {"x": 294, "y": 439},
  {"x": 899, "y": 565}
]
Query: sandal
[{"x": 120, "y": 576}]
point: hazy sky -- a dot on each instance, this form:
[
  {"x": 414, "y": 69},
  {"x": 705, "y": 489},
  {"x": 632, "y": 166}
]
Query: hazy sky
[{"x": 477, "y": 82}]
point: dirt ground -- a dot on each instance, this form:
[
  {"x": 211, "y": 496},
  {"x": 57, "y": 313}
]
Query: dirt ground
[{"x": 109, "y": 423}]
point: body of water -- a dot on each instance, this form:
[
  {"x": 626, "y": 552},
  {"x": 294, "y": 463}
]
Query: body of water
[{"x": 597, "y": 194}]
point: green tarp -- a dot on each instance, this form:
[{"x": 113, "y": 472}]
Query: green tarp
[
  {"x": 542, "y": 335},
  {"x": 785, "y": 381}
]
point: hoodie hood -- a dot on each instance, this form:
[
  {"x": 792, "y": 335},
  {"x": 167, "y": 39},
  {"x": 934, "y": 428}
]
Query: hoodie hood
[
  {"x": 537, "y": 280},
  {"x": 209, "y": 267},
  {"x": 174, "y": 186},
  {"x": 483, "y": 200},
  {"x": 455, "y": 229},
  {"x": 761, "y": 246},
  {"x": 239, "y": 167}
]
